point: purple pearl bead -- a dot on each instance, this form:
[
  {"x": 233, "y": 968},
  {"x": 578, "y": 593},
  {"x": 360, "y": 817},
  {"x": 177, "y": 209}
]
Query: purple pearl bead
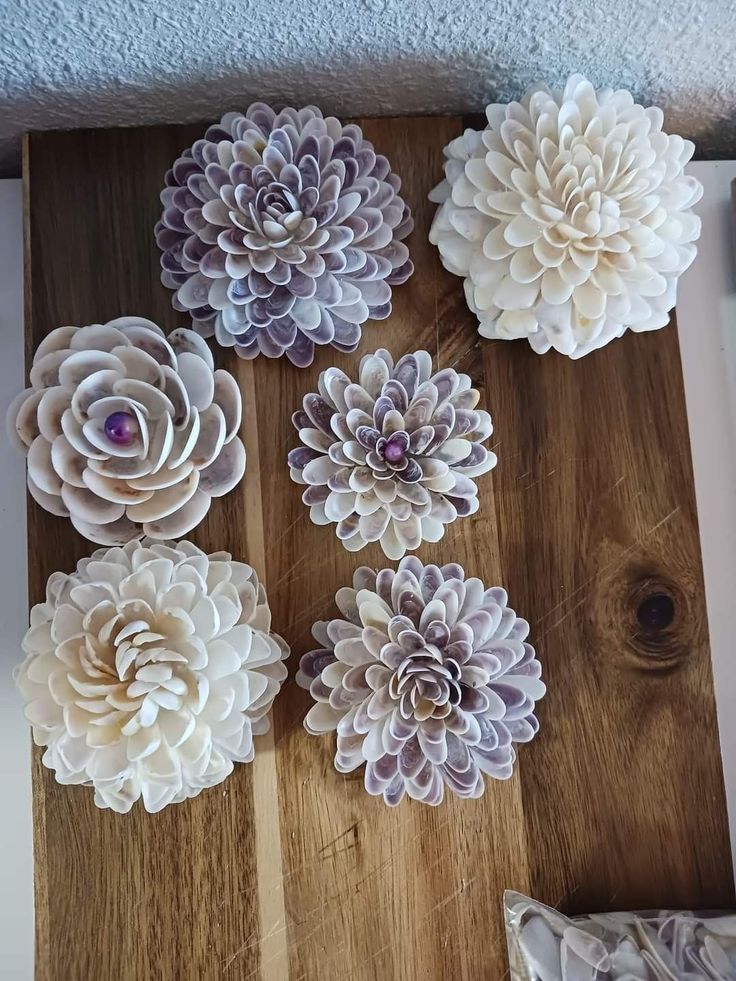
[
  {"x": 120, "y": 428},
  {"x": 393, "y": 452}
]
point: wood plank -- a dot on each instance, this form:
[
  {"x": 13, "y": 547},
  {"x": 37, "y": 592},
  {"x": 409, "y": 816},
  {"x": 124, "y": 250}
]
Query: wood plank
[{"x": 289, "y": 870}]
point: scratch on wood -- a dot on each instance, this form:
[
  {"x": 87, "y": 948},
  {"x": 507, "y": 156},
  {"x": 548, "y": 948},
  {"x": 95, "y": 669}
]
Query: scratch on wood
[{"x": 613, "y": 565}]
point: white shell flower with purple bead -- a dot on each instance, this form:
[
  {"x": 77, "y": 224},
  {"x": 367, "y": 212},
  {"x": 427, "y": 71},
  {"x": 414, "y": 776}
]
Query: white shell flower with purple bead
[
  {"x": 391, "y": 459},
  {"x": 127, "y": 432},
  {"x": 428, "y": 680},
  {"x": 282, "y": 231}
]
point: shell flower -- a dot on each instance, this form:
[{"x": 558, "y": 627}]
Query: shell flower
[
  {"x": 427, "y": 679},
  {"x": 149, "y": 670},
  {"x": 282, "y": 231},
  {"x": 391, "y": 458},
  {"x": 569, "y": 217},
  {"x": 127, "y": 432}
]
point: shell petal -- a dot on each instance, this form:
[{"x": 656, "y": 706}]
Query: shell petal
[
  {"x": 198, "y": 379},
  {"x": 183, "y": 341},
  {"x": 226, "y": 471},
  {"x": 182, "y": 520},
  {"x": 211, "y": 437},
  {"x": 165, "y": 501},
  {"x": 227, "y": 396}
]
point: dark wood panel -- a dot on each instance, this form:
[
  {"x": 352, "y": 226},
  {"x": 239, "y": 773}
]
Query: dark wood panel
[{"x": 288, "y": 869}]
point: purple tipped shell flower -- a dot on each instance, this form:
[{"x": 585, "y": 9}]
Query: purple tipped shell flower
[
  {"x": 391, "y": 458},
  {"x": 282, "y": 231},
  {"x": 428, "y": 680}
]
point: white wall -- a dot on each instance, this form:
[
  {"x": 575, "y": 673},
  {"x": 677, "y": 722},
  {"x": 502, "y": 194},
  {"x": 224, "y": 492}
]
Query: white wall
[
  {"x": 16, "y": 869},
  {"x": 68, "y": 63}
]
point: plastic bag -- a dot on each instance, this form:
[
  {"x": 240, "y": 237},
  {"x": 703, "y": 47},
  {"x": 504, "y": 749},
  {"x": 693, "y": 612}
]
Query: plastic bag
[{"x": 544, "y": 945}]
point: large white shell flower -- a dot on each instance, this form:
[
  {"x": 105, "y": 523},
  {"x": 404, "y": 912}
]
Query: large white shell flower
[
  {"x": 390, "y": 458},
  {"x": 127, "y": 432},
  {"x": 569, "y": 217},
  {"x": 427, "y": 679},
  {"x": 149, "y": 670}
]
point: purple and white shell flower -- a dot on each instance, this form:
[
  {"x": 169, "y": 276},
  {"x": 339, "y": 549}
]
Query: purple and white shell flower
[
  {"x": 282, "y": 231},
  {"x": 428, "y": 680},
  {"x": 391, "y": 458}
]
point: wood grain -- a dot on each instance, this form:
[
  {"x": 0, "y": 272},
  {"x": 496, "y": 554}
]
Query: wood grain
[{"x": 288, "y": 870}]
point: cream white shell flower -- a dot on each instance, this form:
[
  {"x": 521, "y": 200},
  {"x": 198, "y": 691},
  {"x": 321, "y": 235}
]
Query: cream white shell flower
[
  {"x": 149, "y": 670},
  {"x": 128, "y": 432},
  {"x": 569, "y": 217},
  {"x": 428, "y": 680},
  {"x": 391, "y": 457}
]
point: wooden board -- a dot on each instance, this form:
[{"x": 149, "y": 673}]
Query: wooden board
[{"x": 288, "y": 870}]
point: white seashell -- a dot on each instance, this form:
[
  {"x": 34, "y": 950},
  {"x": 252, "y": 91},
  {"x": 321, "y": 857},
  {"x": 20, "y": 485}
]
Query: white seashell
[
  {"x": 96, "y": 337},
  {"x": 67, "y": 462},
  {"x": 184, "y": 448},
  {"x": 41, "y": 469},
  {"x": 162, "y": 443},
  {"x": 226, "y": 471},
  {"x": 45, "y": 370},
  {"x": 86, "y": 505},
  {"x": 113, "y": 533},
  {"x": 116, "y": 489},
  {"x": 51, "y": 408},
  {"x": 199, "y": 383},
  {"x": 541, "y": 949},
  {"x": 74, "y": 432},
  {"x": 574, "y": 968},
  {"x": 177, "y": 395},
  {"x": 185, "y": 439},
  {"x": 187, "y": 341},
  {"x": 187, "y": 517},
  {"x": 140, "y": 365},
  {"x": 588, "y": 948},
  {"x": 154, "y": 401},
  {"x": 146, "y": 336},
  {"x": 128, "y": 467},
  {"x": 211, "y": 437},
  {"x": 58, "y": 340},
  {"x": 166, "y": 501},
  {"x": 164, "y": 477},
  {"x": 227, "y": 396},
  {"x": 21, "y": 423},
  {"x": 91, "y": 390},
  {"x": 81, "y": 364},
  {"x": 180, "y": 705},
  {"x": 49, "y": 502}
]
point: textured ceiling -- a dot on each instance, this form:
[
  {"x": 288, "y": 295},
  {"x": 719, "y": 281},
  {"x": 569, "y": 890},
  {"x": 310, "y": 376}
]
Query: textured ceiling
[{"x": 70, "y": 63}]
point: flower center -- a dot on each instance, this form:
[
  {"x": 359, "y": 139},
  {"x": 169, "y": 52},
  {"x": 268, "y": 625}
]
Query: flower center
[
  {"x": 121, "y": 428},
  {"x": 426, "y": 684}
]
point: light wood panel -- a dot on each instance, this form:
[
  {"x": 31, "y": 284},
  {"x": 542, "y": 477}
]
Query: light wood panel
[{"x": 288, "y": 870}]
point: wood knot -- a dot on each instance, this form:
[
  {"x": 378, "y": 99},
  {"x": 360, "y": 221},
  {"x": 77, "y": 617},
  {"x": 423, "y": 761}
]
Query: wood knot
[{"x": 658, "y": 626}]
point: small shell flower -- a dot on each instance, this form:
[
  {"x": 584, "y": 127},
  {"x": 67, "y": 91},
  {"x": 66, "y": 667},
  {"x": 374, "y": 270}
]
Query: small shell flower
[
  {"x": 569, "y": 217},
  {"x": 149, "y": 670},
  {"x": 391, "y": 458},
  {"x": 282, "y": 231},
  {"x": 127, "y": 432},
  {"x": 427, "y": 679}
]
